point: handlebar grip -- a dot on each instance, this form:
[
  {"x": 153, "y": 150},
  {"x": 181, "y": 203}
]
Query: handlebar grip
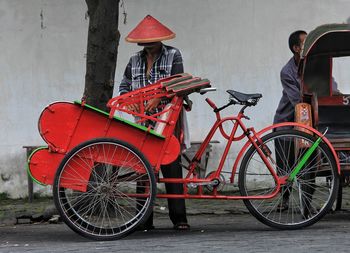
[{"x": 211, "y": 103}]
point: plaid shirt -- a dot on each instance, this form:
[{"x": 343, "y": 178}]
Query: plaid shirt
[{"x": 168, "y": 63}]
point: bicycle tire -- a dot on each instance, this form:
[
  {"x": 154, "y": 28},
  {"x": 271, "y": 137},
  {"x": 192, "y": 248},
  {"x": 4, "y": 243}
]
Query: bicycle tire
[
  {"x": 97, "y": 189},
  {"x": 305, "y": 200}
]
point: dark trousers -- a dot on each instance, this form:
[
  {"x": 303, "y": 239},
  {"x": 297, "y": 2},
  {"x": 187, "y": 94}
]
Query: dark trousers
[
  {"x": 285, "y": 159},
  {"x": 177, "y": 208}
]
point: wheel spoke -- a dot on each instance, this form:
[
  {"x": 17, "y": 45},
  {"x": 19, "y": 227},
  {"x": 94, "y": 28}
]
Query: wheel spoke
[
  {"x": 112, "y": 173},
  {"x": 300, "y": 202}
]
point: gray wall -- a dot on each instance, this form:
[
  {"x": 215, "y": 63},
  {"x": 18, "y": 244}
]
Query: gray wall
[{"x": 237, "y": 44}]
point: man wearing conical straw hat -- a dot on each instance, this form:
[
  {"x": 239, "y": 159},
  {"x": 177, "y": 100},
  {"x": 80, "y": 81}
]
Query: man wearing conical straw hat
[{"x": 147, "y": 66}]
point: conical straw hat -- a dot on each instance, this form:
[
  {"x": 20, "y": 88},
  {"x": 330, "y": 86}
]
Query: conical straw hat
[{"x": 149, "y": 30}]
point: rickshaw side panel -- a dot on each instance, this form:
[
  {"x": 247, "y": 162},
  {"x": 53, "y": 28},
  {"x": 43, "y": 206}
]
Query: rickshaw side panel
[
  {"x": 55, "y": 132},
  {"x": 42, "y": 165},
  {"x": 65, "y": 125}
]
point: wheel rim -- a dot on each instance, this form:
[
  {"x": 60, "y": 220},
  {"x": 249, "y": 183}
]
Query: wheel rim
[
  {"x": 310, "y": 192},
  {"x": 105, "y": 189}
]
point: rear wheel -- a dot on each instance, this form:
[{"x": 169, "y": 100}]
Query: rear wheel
[
  {"x": 104, "y": 189},
  {"x": 302, "y": 201}
]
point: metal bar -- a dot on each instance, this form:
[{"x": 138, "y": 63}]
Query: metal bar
[{"x": 304, "y": 159}]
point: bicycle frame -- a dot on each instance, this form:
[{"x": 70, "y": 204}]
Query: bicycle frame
[
  {"x": 248, "y": 133},
  {"x": 254, "y": 138}
]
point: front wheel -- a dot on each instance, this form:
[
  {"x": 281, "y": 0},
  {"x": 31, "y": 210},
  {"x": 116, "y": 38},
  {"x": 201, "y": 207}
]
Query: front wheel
[
  {"x": 104, "y": 189},
  {"x": 300, "y": 202}
]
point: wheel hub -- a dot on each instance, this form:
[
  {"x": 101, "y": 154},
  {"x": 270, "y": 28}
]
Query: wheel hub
[{"x": 104, "y": 189}]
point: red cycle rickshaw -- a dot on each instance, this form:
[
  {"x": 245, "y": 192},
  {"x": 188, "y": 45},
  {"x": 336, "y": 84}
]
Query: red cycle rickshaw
[
  {"x": 104, "y": 169},
  {"x": 326, "y": 102}
]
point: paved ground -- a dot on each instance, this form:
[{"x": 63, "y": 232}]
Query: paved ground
[
  {"x": 216, "y": 226},
  {"x": 209, "y": 233},
  {"x": 44, "y": 207}
]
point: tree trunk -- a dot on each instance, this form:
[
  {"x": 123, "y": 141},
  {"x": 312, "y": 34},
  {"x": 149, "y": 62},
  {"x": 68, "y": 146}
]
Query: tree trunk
[{"x": 102, "y": 50}]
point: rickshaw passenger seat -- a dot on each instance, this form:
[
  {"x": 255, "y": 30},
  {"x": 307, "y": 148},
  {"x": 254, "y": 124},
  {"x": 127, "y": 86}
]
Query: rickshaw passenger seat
[
  {"x": 122, "y": 120},
  {"x": 337, "y": 119}
]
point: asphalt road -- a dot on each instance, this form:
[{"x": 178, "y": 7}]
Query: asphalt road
[{"x": 209, "y": 233}]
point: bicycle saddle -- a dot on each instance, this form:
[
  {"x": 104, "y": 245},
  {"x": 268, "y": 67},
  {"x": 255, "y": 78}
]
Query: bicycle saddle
[{"x": 242, "y": 98}]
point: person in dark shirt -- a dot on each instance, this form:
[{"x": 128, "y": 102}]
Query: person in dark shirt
[
  {"x": 154, "y": 62},
  {"x": 285, "y": 111},
  {"x": 291, "y": 96},
  {"x": 290, "y": 80}
]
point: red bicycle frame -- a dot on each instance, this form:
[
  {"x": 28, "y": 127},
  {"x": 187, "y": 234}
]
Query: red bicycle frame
[{"x": 254, "y": 138}]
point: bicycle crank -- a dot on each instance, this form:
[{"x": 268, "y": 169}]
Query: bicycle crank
[{"x": 216, "y": 183}]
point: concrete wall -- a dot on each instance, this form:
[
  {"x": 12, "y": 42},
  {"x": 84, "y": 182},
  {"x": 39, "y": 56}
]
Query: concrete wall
[
  {"x": 42, "y": 60},
  {"x": 237, "y": 44}
]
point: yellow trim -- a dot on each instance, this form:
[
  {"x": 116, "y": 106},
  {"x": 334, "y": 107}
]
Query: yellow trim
[{"x": 168, "y": 37}]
